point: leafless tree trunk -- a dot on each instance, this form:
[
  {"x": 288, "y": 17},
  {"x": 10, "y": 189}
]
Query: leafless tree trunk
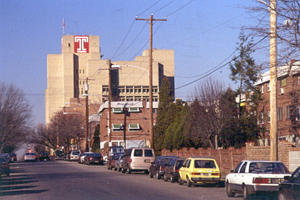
[{"x": 14, "y": 116}]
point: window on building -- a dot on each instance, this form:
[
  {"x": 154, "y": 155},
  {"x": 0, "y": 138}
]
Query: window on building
[
  {"x": 83, "y": 71},
  {"x": 262, "y": 88},
  {"x": 104, "y": 88},
  {"x": 299, "y": 79},
  {"x": 133, "y": 110},
  {"x": 145, "y": 98},
  {"x": 129, "y": 89},
  {"x": 287, "y": 112},
  {"x": 121, "y": 89},
  {"x": 154, "y": 89},
  {"x": 297, "y": 113},
  {"x": 137, "y": 89},
  {"x": 79, "y": 71},
  {"x": 269, "y": 117},
  {"x": 137, "y": 98},
  {"x": 283, "y": 82},
  {"x": 122, "y": 98},
  {"x": 134, "y": 127},
  {"x": 268, "y": 86},
  {"x": 155, "y": 98},
  {"x": 117, "y": 110},
  {"x": 117, "y": 127},
  {"x": 129, "y": 98},
  {"x": 261, "y": 118},
  {"x": 145, "y": 89},
  {"x": 280, "y": 113}
]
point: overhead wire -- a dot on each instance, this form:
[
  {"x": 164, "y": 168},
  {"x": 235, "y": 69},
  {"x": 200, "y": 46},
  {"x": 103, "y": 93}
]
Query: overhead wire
[{"x": 211, "y": 71}]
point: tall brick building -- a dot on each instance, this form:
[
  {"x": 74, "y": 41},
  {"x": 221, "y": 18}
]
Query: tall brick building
[
  {"x": 288, "y": 103},
  {"x": 81, "y": 59}
]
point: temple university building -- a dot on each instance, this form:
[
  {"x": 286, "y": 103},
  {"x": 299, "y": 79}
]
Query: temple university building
[{"x": 80, "y": 61}]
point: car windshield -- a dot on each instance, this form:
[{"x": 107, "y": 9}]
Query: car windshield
[
  {"x": 179, "y": 164},
  {"x": 148, "y": 153},
  {"x": 205, "y": 164},
  {"x": 75, "y": 152},
  {"x": 268, "y": 168}
]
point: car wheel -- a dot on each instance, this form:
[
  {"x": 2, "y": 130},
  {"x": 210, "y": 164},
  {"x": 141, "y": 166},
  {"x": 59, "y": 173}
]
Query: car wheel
[
  {"x": 115, "y": 169},
  {"x": 188, "y": 182},
  {"x": 229, "y": 190},
  {"x": 172, "y": 179},
  {"x": 157, "y": 175},
  {"x": 150, "y": 175},
  {"x": 281, "y": 196},
  {"x": 123, "y": 170},
  {"x": 165, "y": 178},
  {"x": 245, "y": 193},
  {"x": 180, "y": 181}
]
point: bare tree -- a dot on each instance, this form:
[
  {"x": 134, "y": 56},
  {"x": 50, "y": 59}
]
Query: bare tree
[
  {"x": 210, "y": 113},
  {"x": 43, "y": 136},
  {"x": 288, "y": 29},
  {"x": 15, "y": 115}
]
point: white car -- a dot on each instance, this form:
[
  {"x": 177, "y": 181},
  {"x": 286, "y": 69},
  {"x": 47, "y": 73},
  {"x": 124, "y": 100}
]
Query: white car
[
  {"x": 74, "y": 155},
  {"x": 251, "y": 176},
  {"x": 30, "y": 157},
  {"x": 82, "y": 156}
]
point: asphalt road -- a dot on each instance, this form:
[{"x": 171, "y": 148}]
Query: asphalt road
[{"x": 55, "y": 180}]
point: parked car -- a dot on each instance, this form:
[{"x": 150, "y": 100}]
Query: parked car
[
  {"x": 252, "y": 176},
  {"x": 44, "y": 155},
  {"x": 74, "y": 155},
  {"x": 289, "y": 189},
  {"x": 199, "y": 171},
  {"x": 59, "y": 155},
  {"x": 172, "y": 169},
  {"x": 111, "y": 163},
  {"x": 93, "y": 158},
  {"x": 157, "y": 168},
  {"x": 13, "y": 157},
  {"x": 137, "y": 159},
  {"x": 30, "y": 157},
  {"x": 118, "y": 163},
  {"x": 82, "y": 156},
  {"x": 4, "y": 166}
]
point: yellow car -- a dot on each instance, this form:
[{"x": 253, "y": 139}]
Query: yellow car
[{"x": 199, "y": 171}]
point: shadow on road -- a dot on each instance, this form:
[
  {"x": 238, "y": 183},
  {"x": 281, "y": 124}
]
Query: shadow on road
[{"x": 18, "y": 183}]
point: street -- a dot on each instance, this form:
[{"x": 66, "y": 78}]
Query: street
[{"x": 70, "y": 180}]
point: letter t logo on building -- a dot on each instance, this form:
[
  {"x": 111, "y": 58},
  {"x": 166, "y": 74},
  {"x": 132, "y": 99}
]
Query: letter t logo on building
[{"x": 81, "y": 44}]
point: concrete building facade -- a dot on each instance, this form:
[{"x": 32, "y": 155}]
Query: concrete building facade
[{"x": 80, "y": 60}]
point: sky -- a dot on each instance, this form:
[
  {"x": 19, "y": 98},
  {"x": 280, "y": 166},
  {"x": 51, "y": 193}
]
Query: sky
[{"x": 202, "y": 33}]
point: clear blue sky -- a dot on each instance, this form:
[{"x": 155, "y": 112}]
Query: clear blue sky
[{"x": 201, "y": 32}]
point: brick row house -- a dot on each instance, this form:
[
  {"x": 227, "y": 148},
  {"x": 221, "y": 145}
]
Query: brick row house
[
  {"x": 288, "y": 104},
  {"x": 130, "y": 123}
]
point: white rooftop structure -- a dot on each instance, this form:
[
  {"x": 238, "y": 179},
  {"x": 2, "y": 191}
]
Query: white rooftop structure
[{"x": 125, "y": 104}]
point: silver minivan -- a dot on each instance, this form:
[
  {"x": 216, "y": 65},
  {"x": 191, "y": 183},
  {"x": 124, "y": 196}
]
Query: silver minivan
[{"x": 137, "y": 159}]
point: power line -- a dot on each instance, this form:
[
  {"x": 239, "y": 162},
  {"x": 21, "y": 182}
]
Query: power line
[
  {"x": 148, "y": 8},
  {"x": 164, "y": 6},
  {"x": 183, "y": 6},
  {"x": 209, "y": 72},
  {"x": 123, "y": 40}
]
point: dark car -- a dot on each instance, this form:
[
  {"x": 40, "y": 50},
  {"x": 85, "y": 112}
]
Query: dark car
[
  {"x": 44, "y": 156},
  {"x": 13, "y": 157},
  {"x": 59, "y": 155},
  {"x": 290, "y": 187},
  {"x": 112, "y": 160},
  {"x": 4, "y": 166},
  {"x": 172, "y": 169},
  {"x": 93, "y": 158},
  {"x": 157, "y": 167}
]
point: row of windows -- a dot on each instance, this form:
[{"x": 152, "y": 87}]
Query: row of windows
[
  {"x": 131, "y": 127},
  {"x": 291, "y": 113},
  {"x": 132, "y": 98},
  {"x": 132, "y": 89},
  {"x": 282, "y": 83}
]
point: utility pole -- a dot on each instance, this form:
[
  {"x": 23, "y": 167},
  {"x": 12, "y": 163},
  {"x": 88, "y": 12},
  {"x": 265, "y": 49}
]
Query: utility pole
[
  {"x": 109, "y": 102},
  {"x": 273, "y": 81},
  {"x": 86, "y": 115},
  {"x": 150, "y": 76}
]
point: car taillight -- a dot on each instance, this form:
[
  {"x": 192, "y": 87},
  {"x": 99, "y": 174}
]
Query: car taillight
[
  {"x": 130, "y": 160},
  {"x": 177, "y": 170},
  {"x": 261, "y": 180},
  {"x": 91, "y": 158},
  {"x": 196, "y": 174}
]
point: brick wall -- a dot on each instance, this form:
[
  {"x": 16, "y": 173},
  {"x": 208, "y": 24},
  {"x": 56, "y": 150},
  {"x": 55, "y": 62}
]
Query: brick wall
[{"x": 228, "y": 159}]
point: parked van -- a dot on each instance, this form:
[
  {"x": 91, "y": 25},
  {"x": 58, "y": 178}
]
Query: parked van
[{"x": 137, "y": 159}]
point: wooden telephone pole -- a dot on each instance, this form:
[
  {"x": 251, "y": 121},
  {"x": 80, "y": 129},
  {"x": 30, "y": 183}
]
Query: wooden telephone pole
[
  {"x": 150, "y": 76},
  {"x": 273, "y": 81},
  {"x": 86, "y": 115},
  {"x": 109, "y": 102}
]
